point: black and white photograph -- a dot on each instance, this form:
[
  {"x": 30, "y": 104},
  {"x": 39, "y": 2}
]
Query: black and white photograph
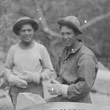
[{"x": 54, "y": 54}]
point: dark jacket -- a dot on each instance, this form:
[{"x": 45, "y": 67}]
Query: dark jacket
[{"x": 77, "y": 68}]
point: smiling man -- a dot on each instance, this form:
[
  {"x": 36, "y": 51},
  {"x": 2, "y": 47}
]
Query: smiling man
[
  {"x": 77, "y": 67},
  {"x": 28, "y": 62}
]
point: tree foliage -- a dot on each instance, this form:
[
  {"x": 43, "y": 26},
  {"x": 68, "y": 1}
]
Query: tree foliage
[{"x": 96, "y": 35}]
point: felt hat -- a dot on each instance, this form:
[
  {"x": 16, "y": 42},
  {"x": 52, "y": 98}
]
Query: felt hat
[
  {"x": 24, "y": 20},
  {"x": 72, "y": 22}
]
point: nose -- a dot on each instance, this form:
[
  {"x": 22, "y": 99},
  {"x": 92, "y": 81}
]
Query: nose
[
  {"x": 65, "y": 36},
  {"x": 26, "y": 32}
]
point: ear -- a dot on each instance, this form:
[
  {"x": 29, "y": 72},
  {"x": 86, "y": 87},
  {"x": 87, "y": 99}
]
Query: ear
[{"x": 79, "y": 37}]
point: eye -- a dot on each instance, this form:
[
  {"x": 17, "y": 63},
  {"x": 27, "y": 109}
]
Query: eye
[
  {"x": 29, "y": 30},
  {"x": 23, "y": 30},
  {"x": 62, "y": 34},
  {"x": 68, "y": 33}
]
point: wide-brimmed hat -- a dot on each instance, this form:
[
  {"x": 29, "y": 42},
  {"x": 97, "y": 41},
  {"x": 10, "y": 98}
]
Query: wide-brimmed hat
[
  {"x": 72, "y": 22},
  {"x": 22, "y": 21}
]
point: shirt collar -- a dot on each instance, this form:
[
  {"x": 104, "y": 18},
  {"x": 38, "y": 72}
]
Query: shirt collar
[
  {"x": 67, "y": 51},
  {"x": 74, "y": 50}
]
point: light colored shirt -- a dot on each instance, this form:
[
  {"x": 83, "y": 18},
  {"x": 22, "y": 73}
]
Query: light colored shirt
[{"x": 35, "y": 60}]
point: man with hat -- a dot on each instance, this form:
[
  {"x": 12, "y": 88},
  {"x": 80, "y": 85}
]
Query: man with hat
[
  {"x": 77, "y": 66},
  {"x": 28, "y": 63}
]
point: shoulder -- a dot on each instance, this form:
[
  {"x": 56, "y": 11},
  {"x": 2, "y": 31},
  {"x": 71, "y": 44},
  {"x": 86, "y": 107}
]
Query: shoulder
[
  {"x": 13, "y": 47},
  {"x": 87, "y": 54},
  {"x": 85, "y": 51},
  {"x": 40, "y": 48},
  {"x": 39, "y": 45}
]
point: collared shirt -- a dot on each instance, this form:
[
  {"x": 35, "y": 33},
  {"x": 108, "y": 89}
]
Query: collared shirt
[{"x": 78, "y": 69}]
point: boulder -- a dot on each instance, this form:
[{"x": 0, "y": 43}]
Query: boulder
[
  {"x": 5, "y": 101},
  {"x": 27, "y": 100}
]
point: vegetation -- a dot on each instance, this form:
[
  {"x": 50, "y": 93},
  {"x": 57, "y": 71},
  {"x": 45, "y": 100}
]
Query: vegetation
[{"x": 93, "y": 14}]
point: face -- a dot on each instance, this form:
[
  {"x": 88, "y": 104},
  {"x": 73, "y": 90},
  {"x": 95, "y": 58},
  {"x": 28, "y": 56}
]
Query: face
[
  {"x": 26, "y": 33},
  {"x": 68, "y": 35}
]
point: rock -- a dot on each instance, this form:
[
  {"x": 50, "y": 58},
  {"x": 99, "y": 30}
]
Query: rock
[
  {"x": 102, "y": 82},
  {"x": 5, "y": 101},
  {"x": 101, "y": 99},
  {"x": 27, "y": 100},
  {"x": 100, "y": 92}
]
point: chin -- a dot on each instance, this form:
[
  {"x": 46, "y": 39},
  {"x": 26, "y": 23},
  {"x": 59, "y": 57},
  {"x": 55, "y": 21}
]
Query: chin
[
  {"x": 27, "y": 42},
  {"x": 68, "y": 44}
]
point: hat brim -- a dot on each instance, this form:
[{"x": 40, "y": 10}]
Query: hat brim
[
  {"x": 18, "y": 25},
  {"x": 64, "y": 22}
]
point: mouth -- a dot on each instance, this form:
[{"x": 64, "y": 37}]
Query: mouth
[
  {"x": 27, "y": 39},
  {"x": 67, "y": 41}
]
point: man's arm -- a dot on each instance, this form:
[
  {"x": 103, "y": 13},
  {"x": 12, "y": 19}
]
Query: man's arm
[
  {"x": 9, "y": 76},
  {"x": 87, "y": 70},
  {"x": 9, "y": 62},
  {"x": 48, "y": 70}
]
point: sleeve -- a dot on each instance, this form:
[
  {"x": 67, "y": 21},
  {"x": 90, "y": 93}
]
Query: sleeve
[
  {"x": 48, "y": 71},
  {"x": 9, "y": 62},
  {"x": 87, "y": 70}
]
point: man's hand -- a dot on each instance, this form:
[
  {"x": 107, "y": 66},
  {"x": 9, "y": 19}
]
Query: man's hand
[
  {"x": 57, "y": 88},
  {"x": 54, "y": 88},
  {"x": 27, "y": 77},
  {"x": 15, "y": 80},
  {"x": 31, "y": 77}
]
